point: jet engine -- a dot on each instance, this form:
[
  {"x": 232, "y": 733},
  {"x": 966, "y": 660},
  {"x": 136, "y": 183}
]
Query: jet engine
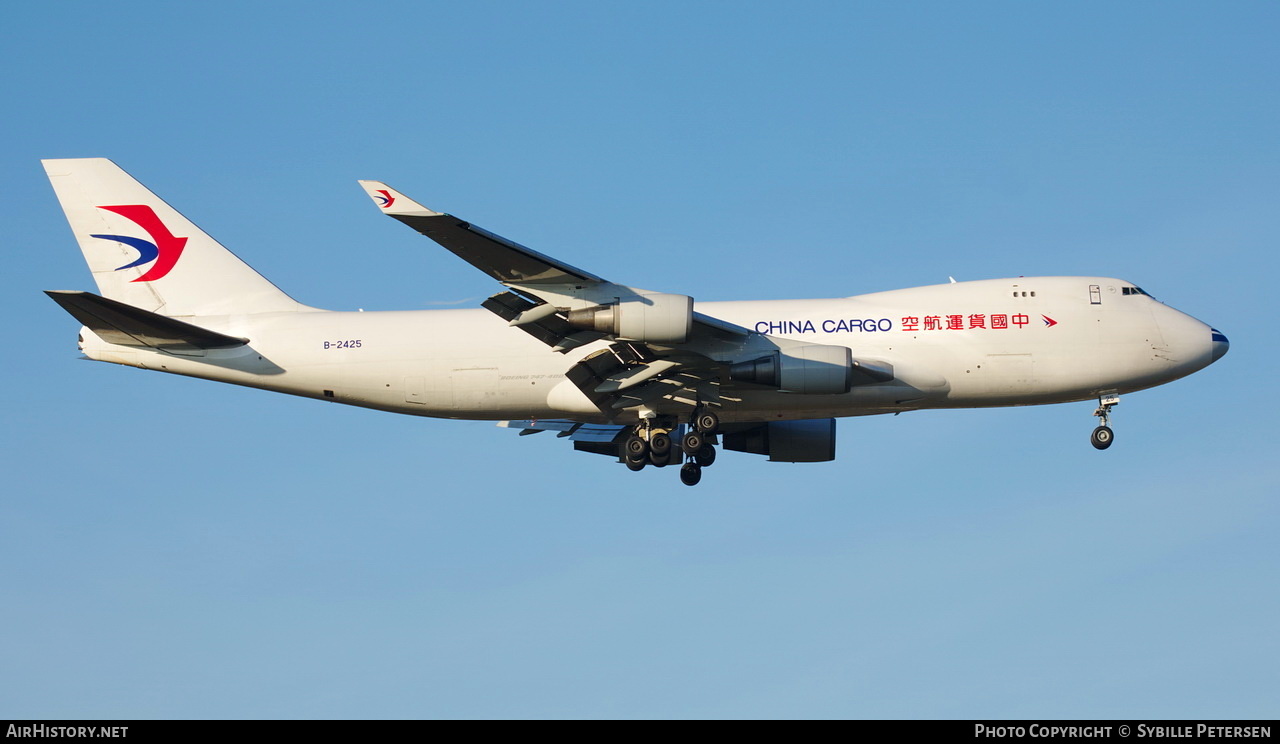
[
  {"x": 813, "y": 369},
  {"x": 660, "y": 318},
  {"x": 807, "y": 440}
]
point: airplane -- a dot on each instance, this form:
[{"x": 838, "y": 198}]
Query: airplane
[{"x": 648, "y": 378}]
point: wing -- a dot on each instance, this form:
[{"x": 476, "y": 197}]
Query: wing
[
  {"x": 600, "y": 439},
  {"x": 504, "y": 260},
  {"x": 660, "y": 353}
]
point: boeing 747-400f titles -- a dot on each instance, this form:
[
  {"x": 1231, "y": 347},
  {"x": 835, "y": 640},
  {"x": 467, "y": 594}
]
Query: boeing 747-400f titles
[{"x": 647, "y": 377}]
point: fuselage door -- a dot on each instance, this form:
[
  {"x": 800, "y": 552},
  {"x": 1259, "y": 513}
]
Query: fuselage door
[{"x": 475, "y": 388}]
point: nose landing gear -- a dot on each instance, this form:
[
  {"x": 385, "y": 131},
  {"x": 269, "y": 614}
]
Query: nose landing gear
[{"x": 1102, "y": 436}]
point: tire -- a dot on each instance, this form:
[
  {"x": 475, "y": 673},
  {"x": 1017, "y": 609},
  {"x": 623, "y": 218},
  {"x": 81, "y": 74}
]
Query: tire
[
  {"x": 1102, "y": 437},
  {"x": 635, "y": 447},
  {"x": 662, "y": 459},
  {"x": 707, "y": 422},
  {"x": 659, "y": 443},
  {"x": 692, "y": 442},
  {"x": 636, "y": 465},
  {"x": 705, "y": 456},
  {"x": 690, "y": 474}
]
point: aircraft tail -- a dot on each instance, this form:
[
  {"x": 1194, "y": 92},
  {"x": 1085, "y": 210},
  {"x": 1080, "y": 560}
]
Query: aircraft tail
[{"x": 144, "y": 253}]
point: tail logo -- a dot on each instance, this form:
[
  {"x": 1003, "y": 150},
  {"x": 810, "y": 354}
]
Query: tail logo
[
  {"x": 386, "y": 200},
  {"x": 163, "y": 248}
]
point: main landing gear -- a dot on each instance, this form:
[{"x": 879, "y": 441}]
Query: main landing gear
[
  {"x": 1102, "y": 436},
  {"x": 650, "y": 444}
]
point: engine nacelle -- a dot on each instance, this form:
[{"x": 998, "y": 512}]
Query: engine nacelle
[
  {"x": 814, "y": 369},
  {"x": 807, "y": 440},
  {"x": 661, "y": 318}
]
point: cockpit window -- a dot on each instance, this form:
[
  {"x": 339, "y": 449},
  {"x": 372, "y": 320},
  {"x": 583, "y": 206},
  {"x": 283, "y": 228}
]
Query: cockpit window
[{"x": 1135, "y": 291}]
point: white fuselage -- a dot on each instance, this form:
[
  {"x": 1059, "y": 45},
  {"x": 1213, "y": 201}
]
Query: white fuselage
[{"x": 997, "y": 342}]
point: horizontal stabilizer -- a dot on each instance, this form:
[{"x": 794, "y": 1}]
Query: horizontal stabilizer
[{"x": 126, "y": 325}]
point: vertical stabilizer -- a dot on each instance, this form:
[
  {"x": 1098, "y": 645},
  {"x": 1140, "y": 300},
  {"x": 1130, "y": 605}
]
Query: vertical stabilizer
[{"x": 144, "y": 253}]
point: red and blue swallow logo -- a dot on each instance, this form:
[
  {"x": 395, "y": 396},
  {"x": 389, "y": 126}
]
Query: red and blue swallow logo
[
  {"x": 386, "y": 200},
  {"x": 163, "y": 248},
  {"x": 1048, "y": 322}
]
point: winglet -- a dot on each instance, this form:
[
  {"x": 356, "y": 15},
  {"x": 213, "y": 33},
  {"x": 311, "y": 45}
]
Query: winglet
[{"x": 393, "y": 202}]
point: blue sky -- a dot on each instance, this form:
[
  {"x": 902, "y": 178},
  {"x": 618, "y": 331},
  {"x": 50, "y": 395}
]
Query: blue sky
[{"x": 176, "y": 548}]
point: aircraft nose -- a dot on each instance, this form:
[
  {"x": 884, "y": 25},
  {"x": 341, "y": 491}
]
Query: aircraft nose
[{"x": 1220, "y": 344}]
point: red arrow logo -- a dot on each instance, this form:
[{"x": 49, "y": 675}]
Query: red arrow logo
[
  {"x": 168, "y": 247},
  {"x": 1049, "y": 322}
]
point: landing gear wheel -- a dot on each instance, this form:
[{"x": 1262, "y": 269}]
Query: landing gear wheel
[
  {"x": 707, "y": 422},
  {"x": 635, "y": 447},
  {"x": 690, "y": 474},
  {"x": 692, "y": 442},
  {"x": 1102, "y": 436},
  {"x": 660, "y": 449},
  {"x": 636, "y": 464},
  {"x": 705, "y": 456}
]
